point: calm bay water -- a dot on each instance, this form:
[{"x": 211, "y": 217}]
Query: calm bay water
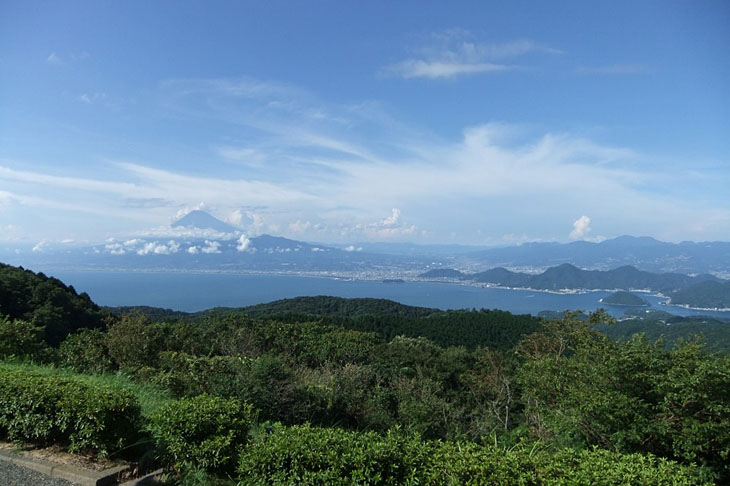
[{"x": 199, "y": 291}]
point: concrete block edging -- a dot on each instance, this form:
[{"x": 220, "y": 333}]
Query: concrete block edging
[{"x": 77, "y": 475}]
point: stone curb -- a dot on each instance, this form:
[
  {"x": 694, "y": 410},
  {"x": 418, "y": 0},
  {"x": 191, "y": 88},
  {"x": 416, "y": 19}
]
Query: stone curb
[
  {"x": 147, "y": 479},
  {"x": 77, "y": 475}
]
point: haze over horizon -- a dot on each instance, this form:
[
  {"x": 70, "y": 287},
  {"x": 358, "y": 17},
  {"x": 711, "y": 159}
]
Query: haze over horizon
[{"x": 422, "y": 122}]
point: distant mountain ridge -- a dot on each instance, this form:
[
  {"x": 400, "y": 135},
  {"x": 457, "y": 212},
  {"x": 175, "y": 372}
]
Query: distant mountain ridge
[
  {"x": 567, "y": 276},
  {"x": 641, "y": 252},
  {"x": 229, "y": 252},
  {"x": 198, "y": 241}
]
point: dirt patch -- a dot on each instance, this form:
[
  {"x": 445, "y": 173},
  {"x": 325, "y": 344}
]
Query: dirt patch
[{"x": 58, "y": 455}]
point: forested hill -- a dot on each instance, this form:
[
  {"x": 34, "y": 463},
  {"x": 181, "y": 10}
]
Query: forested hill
[
  {"x": 338, "y": 306},
  {"x": 567, "y": 276},
  {"x": 470, "y": 328},
  {"x": 46, "y": 302},
  {"x": 624, "y": 298},
  {"x": 705, "y": 295},
  {"x": 444, "y": 273}
]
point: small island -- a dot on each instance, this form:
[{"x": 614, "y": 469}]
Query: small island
[{"x": 625, "y": 298}]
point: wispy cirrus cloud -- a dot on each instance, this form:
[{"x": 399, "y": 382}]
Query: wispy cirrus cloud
[
  {"x": 93, "y": 97},
  {"x": 329, "y": 172},
  {"x": 454, "y": 53},
  {"x": 55, "y": 59},
  {"x": 432, "y": 68}
]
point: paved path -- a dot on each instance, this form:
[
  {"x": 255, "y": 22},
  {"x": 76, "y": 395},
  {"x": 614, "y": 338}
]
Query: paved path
[{"x": 12, "y": 475}]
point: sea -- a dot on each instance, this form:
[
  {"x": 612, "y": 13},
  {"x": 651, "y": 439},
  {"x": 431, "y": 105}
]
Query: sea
[{"x": 192, "y": 292}]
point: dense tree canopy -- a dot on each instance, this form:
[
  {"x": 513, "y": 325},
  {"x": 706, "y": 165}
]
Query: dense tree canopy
[
  {"x": 464, "y": 377},
  {"x": 46, "y": 302}
]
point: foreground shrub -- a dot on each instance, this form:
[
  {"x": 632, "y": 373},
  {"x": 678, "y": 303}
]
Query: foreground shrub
[
  {"x": 134, "y": 342},
  {"x": 633, "y": 396},
  {"x": 202, "y": 431},
  {"x": 304, "y": 456},
  {"x": 187, "y": 375},
  {"x": 86, "y": 352},
  {"x": 21, "y": 339},
  {"x": 51, "y": 409},
  {"x": 572, "y": 467},
  {"x": 471, "y": 464}
]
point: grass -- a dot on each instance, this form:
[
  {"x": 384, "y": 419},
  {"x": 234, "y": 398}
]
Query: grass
[{"x": 150, "y": 398}]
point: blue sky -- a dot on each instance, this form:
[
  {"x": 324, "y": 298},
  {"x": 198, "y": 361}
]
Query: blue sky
[{"x": 468, "y": 122}]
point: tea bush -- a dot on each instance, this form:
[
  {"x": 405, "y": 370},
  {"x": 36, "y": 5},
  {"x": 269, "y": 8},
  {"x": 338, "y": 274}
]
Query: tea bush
[
  {"x": 51, "y": 409},
  {"x": 86, "y": 352},
  {"x": 306, "y": 456},
  {"x": 203, "y": 431}
]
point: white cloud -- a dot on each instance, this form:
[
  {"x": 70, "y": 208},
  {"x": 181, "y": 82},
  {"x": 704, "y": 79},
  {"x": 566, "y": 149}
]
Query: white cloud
[
  {"x": 299, "y": 226},
  {"x": 419, "y": 68},
  {"x": 193, "y": 250},
  {"x": 77, "y": 183},
  {"x": 236, "y": 217},
  {"x": 10, "y": 232},
  {"x": 454, "y": 53},
  {"x": 115, "y": 248},
  {"x": 211, "y": 247},
  {"x": 156, "y": 248},
  {"x": 343, "y": 169},
  {"x": 224, "y": 191},
  {"x": 581, "y": 228},
  {"x": 186, "y": 232},
  {"x": 184, "y": 211},
  {"x": 93, "y": 97},
  {"x": 54, "y": 58},
  {"x": 6, "y": 198},
  {"x": 258, "y": 222},
  {"x": 141, "y": 247},
  {"x": 133, "y": 243},
  {"x": 243, "y": 243},
  {"x": 393, "y": 219},
  {"x": 387, "y": 228},
  {"x": 352, "y": 248},
  {"x": 245, "y": 155},
  {"x": 41, "y": 246}
]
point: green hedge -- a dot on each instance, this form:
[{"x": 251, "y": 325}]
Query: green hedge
[
  {"x": 202, "y": 431},
  {"x": 304, "y": 456},
  {"x": 50, "y": 409}
]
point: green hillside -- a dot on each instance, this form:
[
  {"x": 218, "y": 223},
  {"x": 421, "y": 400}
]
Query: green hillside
[
  {"x": 337, "y": 306},
  {"x": 46, "y": 302},
  {"x": 325, "y": 390},
  {"x": 624, "y": 298},
  {"x": 705, "y": 295}
]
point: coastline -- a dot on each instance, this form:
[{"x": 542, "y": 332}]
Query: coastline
[
  {"x": 688, "y": 307},
  {"x": 382, "y": 277}
]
